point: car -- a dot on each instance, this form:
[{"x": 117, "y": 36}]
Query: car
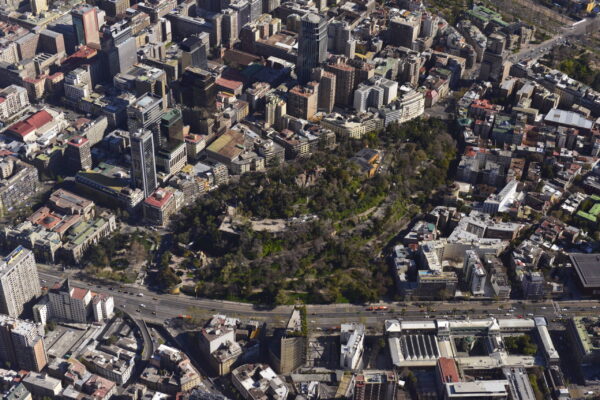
[
  {"x": 153, "y": 312},
  {"x": 594, "y": 307},
  {"x": 138, "y": 310},
  {"x": 140, "y": 294},
  {"x": 142, "y": 305},
  {"x": 530, "y": 314},
  {"x": 154, "y": 298},
  {"x": 508, "y": 314},
  {"x": 544, "y": 308}
]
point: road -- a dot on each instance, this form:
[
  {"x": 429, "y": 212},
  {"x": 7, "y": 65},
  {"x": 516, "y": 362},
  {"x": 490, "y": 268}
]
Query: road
[
  {"x": 157, "y": 308},
  {"x": 535, "y": 51}
]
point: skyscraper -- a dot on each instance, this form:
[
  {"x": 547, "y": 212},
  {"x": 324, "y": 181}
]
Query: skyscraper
[
  {"x": 85, "y": 20},
  {"x": 19, "y": 281},
  {"x": 194, "y": 51},
  {"x": 78, "y": 154},
  {"x": 197, "y": 88},
  {"x": 312, "y": 45},
  {"x": 119, "y": 47},
  {"x": 145, "y": 114},
  {"x": 171, "y": 125},
  {"x": 143, "y": 168},
  {"x": 22, "y": 344}
]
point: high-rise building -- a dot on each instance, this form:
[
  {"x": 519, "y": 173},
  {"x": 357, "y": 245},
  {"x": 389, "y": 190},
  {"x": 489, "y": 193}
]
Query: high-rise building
[
  {"x": 404, "y": 31},
  {"x": 145, "y": 114},
  {"x": 229, "y": 27},
  {"x": 38, "y": 6},
  {"x": 256, "y": 9},
  {"x": 74, "y": 304},
  {"x": 119, "y": 47},
  {"x": 302, "y": 101},
  {"x": 312, "y": 45},
  {"x": 344, "y": 83},
  {"x": 242, "y": 8},
  {"x": 194, "y": 51},
  {"x": 22, "y": 344},
  {"x": 143, "y": 166},
  {"x": 14, "y": 102},
  {"x": 288, "y": 348},
  {"x": 85, "y": 21},
  {"x": 78, "y": 154},
  {"x": 210, "y": 5},
  {"x": 197, "y": 88},
  {"x": 19, "y": 281},
  {"x": 326, "y": 89},
  {"x": 171, "y": 125},
  {"x": 375, "y": 385}
]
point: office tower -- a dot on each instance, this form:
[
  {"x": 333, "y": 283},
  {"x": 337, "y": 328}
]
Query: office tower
[
  {"x": 22, "y": 344},
  {"x": 256, "y": 9},
  {"x": 38, "y": 6},
  {"x": 143, "y": 168},
  {"x": 229, "y": 27},
  {"x": 404, "y": 31},
  {"x": 302, "y": 101},
  {"x": 85, "y": 21},
  {"x": 275, "y": 109},
  {"x": 210, "y": 5},
  {"x": 288, "y": 348},
  {"x": 78, "y": 154},
  {"x": 375, "y": 385},
  {"x": 119, "y": 47},
  {"x": 344, "y": 83},
  {"x": 52, "y": 42},
  {"x": 197, "y": 88},
  {"x": 19, "y": 281},
  {"x": 339, "y": 34},
  {"x": 312, "y": 45},
  {"x": 242, "y": 7},
  {"x": 171, "y": 125},
  {"x": 114, "y": 8},
  {"x": 270, "y": 5},
  {"x": 145, "y": 114},
  {"x": 14, "y": 102},
  {"x": 494, "y": 68},
  {"x": 326, "y": 89},
  {"x": 194, "y": 51}
]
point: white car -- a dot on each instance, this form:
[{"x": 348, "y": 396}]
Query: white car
[{"x": 140, "y": 294}]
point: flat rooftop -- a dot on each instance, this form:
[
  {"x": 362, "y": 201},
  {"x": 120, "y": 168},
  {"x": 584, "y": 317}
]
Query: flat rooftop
[{"x": 588, "y": 268}]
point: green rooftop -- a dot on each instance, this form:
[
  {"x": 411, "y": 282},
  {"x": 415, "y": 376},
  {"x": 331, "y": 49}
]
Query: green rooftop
[{"x": 587, "y": 216}]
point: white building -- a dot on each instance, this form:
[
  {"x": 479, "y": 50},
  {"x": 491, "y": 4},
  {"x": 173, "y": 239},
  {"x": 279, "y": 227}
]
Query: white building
[
  {"x": 259, "y": 382},
  {"x": 19, "y": 281},
  {"x": 219, "y": 332},
  {"x": 13, "y": 102},
  {"x": 78, "y": 84},
  {"x": 352, "y": 338},
  {"x": 73, "y": 304},
  {"x": 500, "y": 202},
  {"x": 475, "y": 273},
  {"x": 376, "y": 93}
]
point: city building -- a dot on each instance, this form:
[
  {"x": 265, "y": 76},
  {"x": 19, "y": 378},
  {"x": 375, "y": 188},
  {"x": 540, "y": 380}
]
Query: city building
[
  {"x": 588, "y": 272},
  {"x": 85, "y": 21},
  {"x": 143, "y": 165},
  {"x": 376, "y": 385},
  {"x": 19, "y": 281},
  {"x": 145, "y": 114},
  {"x": 78, "y": 154},
  {"x": 73, "y": 304},
  {"x": 22, "y": 344},
  {"x": 302, "y": 102},
  {"x": 18, "y": 183},
  {"x": 159, "y": 206},
  {"x": 288, "y": 348},
  {"x": 119, "y": 46},
  {"x": 14, "y": 103},
  {"x": 312, "y": 45},
  {"x": 218, "y": 343},
  {"x": 259, "y": 382},
  {"x": 352, "y": 338}
]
